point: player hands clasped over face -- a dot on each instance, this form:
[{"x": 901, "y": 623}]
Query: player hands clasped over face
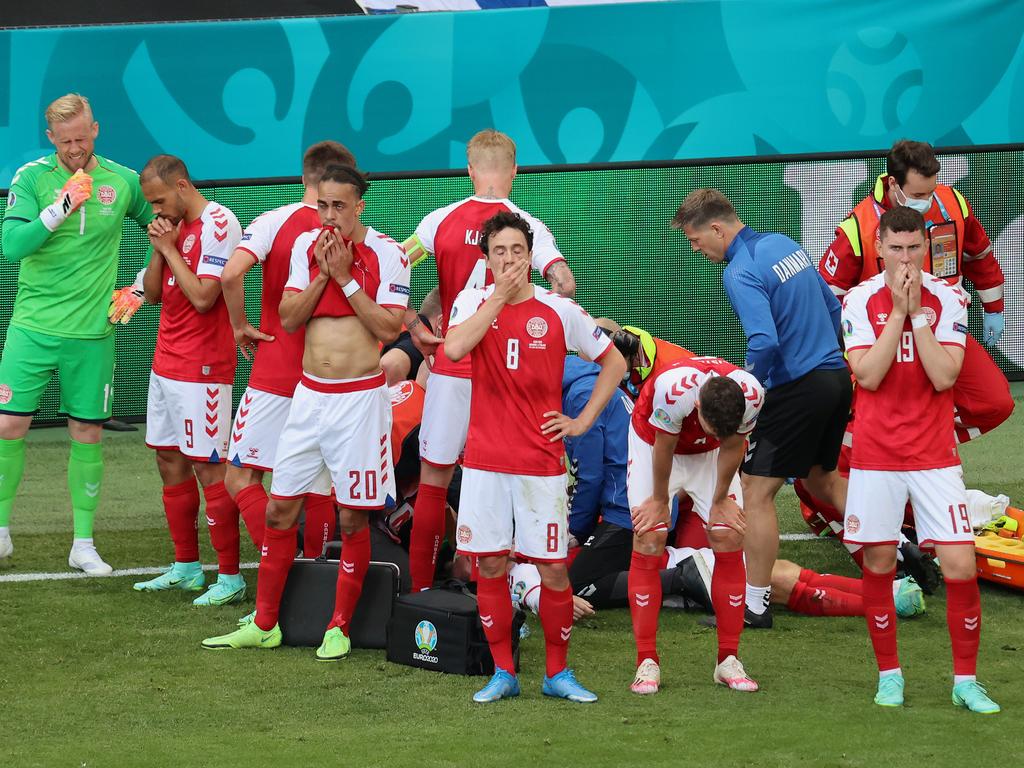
[
  {"x": 905, "y": 333},
  {"x": 188, "y": 409},
  {"x": 277, "y": 366},
  {"x": 349, "y": 285},
  {"x": 63, "y": 224},
  {"x": 956, "y": 247},
  {"x": 451, "y": 234},
  {"x": 514, "y": 477}
]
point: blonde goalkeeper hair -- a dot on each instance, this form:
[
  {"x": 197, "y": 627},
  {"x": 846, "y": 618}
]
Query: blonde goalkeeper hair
[
  {"x": 491, "y": 150},
  {"x": 67, "y": 107}
]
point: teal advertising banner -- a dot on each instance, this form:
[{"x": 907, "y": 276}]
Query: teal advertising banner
[{"x": 591, "y": 84}]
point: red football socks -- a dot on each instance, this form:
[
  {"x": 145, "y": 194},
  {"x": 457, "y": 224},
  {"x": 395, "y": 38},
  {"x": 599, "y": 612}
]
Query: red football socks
[
  {"x": 963, "y": 615},
  {"x": 320, "y": 524},
  {"x": 824, "y": 601},
  {"x": 355, "y": 560},
  {"x": 222, "y": 517},
  {"x": 426, "y": 536},
  {"x": 822, "y": 580},
  {"x": 644, "y": 585},
  {"x": 181, "y": 507},
  {"x": 278, "y": 554},
  {"x": 728, "y": 598},
  {"x": 880, "y": 612},
  {"x": 556, "y": 618},
  {"x": 495, "y": 604},
  {"x": 252, "y": 503}
]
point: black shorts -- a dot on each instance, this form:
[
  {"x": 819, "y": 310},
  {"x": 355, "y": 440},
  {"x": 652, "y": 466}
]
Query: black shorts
[
  {"x": 801, "y": 425},
  {"x": 608, "y": 550},
  {"x": 404, "y": 343}
]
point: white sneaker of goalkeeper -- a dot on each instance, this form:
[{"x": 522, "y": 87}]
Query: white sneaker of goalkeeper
[
  {"x": 85, "y": 558},
  {"x": 6, "y": 547}
]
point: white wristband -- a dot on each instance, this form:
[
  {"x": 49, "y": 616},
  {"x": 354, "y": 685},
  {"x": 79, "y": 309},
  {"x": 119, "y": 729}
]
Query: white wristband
[
  {"x": 919, "y": 321},
  {"x": 349, "y": 288},
  {"x": 52, "y": 216}
]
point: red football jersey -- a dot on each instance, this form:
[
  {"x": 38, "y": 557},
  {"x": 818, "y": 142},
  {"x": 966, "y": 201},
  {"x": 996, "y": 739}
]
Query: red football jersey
[
  {"x": 517, "y": 378},
  {"x": 269, "y": 239},
  {"x": 452, "y": 235},
  {"x": 668, "y": 403},
  {"x": 191, "y": 346},
  {"x": 380, "y": 267},
  {"x": 904, "y": 424}
]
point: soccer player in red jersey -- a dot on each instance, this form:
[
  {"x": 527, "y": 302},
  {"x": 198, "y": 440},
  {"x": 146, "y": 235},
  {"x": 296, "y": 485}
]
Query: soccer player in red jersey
[
  {"x": 188, "y": 412},
  {"x": 688, "y": 433},
  {"x": 905, "y": 334},
  {"x": 349, "y": 285},
  {"x": 514, "y": 475},
  {"x": 451, "y": 234},
  {"x": 277, "y": 366},
  {"x": 957, "y": 247}
]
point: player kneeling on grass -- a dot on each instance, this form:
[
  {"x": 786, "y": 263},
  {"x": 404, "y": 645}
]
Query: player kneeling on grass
[
  {"x": 188, "y": 411},
  {"x": 514, "y": 478},
  {"x": 349, "y": 285},
  {"x": 905, "y": 333},
  {"x": 688, "y": 433}
]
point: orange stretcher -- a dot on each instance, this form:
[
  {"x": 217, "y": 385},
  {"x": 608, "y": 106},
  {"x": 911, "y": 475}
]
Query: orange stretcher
[{"x": 1000, "y": 550}]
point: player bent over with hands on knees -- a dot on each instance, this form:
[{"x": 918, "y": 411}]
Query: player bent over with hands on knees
[
  {"x": 349, "y": 285},
  {"x": 905, "y": 334},
  {"x": 514, "y": 476},
  {"x": 688, "y": 433}
]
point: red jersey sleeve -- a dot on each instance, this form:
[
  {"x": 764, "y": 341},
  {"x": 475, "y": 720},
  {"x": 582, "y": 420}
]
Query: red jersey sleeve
[
  {"x": 220, "y": 234},
  {"x": 980, "y": 265},
  {"x": 840, "y": 266}
]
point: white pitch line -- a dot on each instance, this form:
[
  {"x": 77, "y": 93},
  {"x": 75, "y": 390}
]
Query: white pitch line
[{"x": 64, "y": 576}]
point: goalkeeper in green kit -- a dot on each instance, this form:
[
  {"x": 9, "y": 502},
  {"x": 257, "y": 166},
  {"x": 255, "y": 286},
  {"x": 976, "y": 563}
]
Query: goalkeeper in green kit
[{"x": 63, "y": 226}]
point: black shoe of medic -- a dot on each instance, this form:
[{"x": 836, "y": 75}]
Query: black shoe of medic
[
  {"x": 921, "y": 566},
  {"x": 751, "y": 620}
]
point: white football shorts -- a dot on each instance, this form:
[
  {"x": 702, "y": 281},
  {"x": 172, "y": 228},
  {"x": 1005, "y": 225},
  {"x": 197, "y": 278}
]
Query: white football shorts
[
  {"x": 187, "y": 416},
  {"x": 695, "y": 473},
  {"x": 338, "y": 433},
  {"x": 501, "y": 513},
  {"x": 445, "y": 421},
  {"x": 876, "y": 501}
]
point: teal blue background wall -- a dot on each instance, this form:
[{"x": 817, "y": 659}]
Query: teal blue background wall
[{"x": 587, "y": 84}]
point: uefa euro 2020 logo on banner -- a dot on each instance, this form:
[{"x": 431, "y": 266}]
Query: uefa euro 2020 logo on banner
[{"x": 426, "y": 640}]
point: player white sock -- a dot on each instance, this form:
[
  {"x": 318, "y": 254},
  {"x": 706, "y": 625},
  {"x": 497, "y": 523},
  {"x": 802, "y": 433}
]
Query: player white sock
[
  {"x": 82, "y": 544},
  {"x": 894, "y": 671},
  {"x": 757, "y": 599},
  {"x": 957, "y": 679}
]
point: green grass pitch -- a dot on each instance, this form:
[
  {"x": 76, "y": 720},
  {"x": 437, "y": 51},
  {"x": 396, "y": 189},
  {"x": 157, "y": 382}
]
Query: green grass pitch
[{"x": 94, "y": 674}]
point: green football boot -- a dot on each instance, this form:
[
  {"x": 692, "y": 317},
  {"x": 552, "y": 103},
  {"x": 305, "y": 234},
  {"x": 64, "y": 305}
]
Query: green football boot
[
  {"x": 909, "y": 598},
  {"x": 186, "y": 576},
  {"x": 248, "y": 636},
  {"x": 890, "y": 691},
  {"x": 970, "y": 694},
  {"x": 226, "y": 590},
  {"x": 335, "y": 647}
]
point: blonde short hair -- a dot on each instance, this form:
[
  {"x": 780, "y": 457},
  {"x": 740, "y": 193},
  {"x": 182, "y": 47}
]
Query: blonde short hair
[
  {"x": 491, "y": 150},
  {"x": 67, "y": 107}
]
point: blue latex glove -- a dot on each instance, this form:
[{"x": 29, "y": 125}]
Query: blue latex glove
[{"x": 994, "y": 326}]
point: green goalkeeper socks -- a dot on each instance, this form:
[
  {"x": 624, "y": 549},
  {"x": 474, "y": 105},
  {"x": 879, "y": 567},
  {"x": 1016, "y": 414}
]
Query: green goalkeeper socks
[
  {"x": 85, "y": 475},
  {"x": 12, "y": 465}
]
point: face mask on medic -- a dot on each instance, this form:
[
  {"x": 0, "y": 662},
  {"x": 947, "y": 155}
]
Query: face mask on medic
[{"x": 921, "y": 206}]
